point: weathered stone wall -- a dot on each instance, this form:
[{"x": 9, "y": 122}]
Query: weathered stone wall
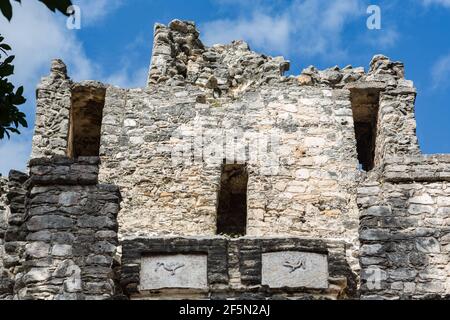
[
  {"x": 5, "y": 278},
  {"x": 15, "y": 232},
  {"x": 405, "y": 230},
  {"x": 162, "y": 146},
  {"x": 314, "y": 192},
  {"x": 194, "y": 88},
  {"x": 317, "y": 158},
  {"x": 179, "y": 57},
  {"x": 234, "y": 268},
  {"x": 397, "y": 123},
  {"x": 53, "y": 102},
  {"x": 59, "y": 104},
  {"x": 71, "y": 232}
]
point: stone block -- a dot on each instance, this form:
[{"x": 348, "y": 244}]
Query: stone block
[
  {"x": 38, "y": 223},
  {"x": 428, "y": 245},
  {"x": 37, "y": 250},
  {"x": 423, "y": 199},
  {"x": 295, "y": 270},
  {"x": 62, "y": 250},
  {"x": 174, "y": 271},
  {"x": 420, "y": 209}
]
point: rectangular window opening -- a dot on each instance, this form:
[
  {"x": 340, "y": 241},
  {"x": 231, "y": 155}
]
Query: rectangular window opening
[
  {"x": 365, "y": 106},
  {"x": 232, "y": 200},
  {"x": 86, "y": 116}
]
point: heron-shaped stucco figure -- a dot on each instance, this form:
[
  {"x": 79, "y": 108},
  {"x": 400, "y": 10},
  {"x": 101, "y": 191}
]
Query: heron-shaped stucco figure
[
  {"x": 294, "y": 266},
  {"x": 170, "y": 267}
]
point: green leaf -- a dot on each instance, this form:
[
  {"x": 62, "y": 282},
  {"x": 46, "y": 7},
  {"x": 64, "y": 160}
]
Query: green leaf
[
  {"x": 6, "y": 70},
  {"x": 60, "y": 5},
  {"x": 18, "y": 100},
  {"x": 19, "y": 91},
  {"x": 11, "y": 119},
  {"x": 23, "y": 122},
  {"x": 5, "y": 46},
  {"x": 9, "y": 60},
  {"x": 6, "y": 9},
  {"x": 13, "y": 130}
]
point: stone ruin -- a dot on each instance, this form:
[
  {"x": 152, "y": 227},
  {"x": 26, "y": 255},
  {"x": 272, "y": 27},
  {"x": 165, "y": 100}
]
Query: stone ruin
[{"x": 156, "y": 193}]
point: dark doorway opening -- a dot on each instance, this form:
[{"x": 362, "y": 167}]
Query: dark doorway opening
[
  {"x": 365, "y": 105},
  {"x": 86, "y": 116},
  {"x": 232, "y": 206}
]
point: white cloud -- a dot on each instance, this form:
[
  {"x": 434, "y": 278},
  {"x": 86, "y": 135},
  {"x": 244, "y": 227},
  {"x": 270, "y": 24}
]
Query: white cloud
[
  {"x": 445, "y": 3},
  {"x": 37, "y": 36},
  {"x": 260, "y": 29},
  {"x": 14, "y": 155},
  {"x": 307, "y": 27},
  {"x": 440, "y": 72},
  {"x": 319, "y": 25},
  {"x": 94, "y": 10},
  {"x": 127, "y": 78},
  {"x": 382, "y": 39}
]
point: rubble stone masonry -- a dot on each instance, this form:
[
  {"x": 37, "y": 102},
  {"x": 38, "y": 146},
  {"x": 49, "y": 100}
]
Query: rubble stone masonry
[{"x": 332, "y": 167}]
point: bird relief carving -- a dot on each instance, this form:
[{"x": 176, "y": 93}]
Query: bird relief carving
[
  {"x": 172, "y": 268},
  {"x": 300, "y": 264}
]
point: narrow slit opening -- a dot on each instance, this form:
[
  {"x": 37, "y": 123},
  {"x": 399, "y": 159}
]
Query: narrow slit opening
[
  {"x": 365, "y": 106},
  {"x": 232, "y": 200},
  {"x": 86, "y": 115}
]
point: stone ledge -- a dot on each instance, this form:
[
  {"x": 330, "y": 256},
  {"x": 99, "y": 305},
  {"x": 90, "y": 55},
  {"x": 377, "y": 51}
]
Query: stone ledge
[
  {"x": 426, "y": 168},
  {"x": 60, "y": 160},
  {"x": 64, "y": 171}
]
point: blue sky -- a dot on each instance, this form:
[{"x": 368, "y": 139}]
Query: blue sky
[{"x": 115, "y": 40}]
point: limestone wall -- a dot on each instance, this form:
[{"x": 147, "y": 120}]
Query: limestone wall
[
  {"x": 179, "y": 57},
  {"x": 3, "y": 208},
  {"x": 163, "y": 146},
  {"x": 311, "y": 191},
  {"x": 53, "y": 104},
  {"x": 5, "y": 279},
  {"x": 311, "y": 194},
  {"x": 15, "y": 232},
  {"x": 234, "y": 269},
  {"x": 405, "y": 230},
  {"x": 397, "y": 124},
  {"x": 71, "y": 234}
]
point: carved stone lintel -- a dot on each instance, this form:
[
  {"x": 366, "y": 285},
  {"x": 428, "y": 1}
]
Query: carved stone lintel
[
  {"x": 295, "y": 270},
  {"x": 174, "y": 271}
]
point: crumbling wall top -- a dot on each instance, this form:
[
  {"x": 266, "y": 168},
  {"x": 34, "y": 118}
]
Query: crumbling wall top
[
  {"x": 382, "y": 73},
  {"x": 179, "y": 56}
]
